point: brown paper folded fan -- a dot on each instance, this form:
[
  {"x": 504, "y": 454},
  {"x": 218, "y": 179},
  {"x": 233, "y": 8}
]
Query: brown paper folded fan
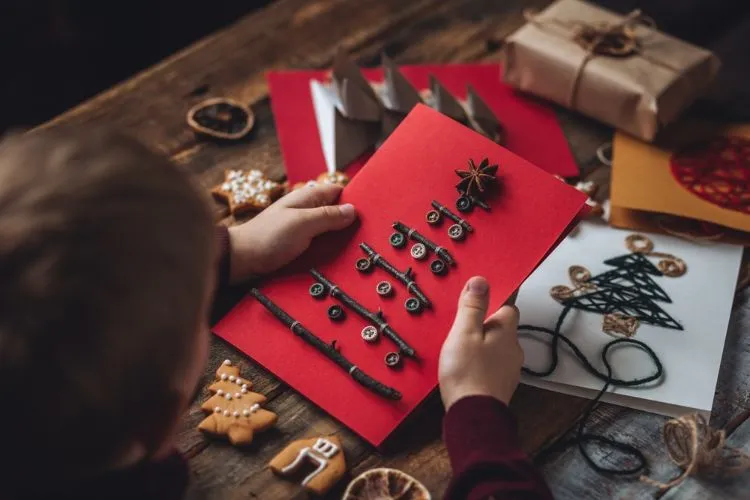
[
  {"x": 358, "y": 99},
  {"x": 445, "y": 102},
  {"x": 484, "y": 120},
  {"x": 400, "y": 95}
]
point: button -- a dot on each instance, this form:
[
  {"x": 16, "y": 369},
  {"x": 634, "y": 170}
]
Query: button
[
  {"x": 419, "y": 251},
  {"x": 456, "y": 232},
  {"x": 392, "y": 359},
  {"x": 438, "y": 267},
  {"x": 398, "y": 240},
  {"x": 433, "y": 217},
  {"x": 370, "y": 334},
  {"x": 413, "y": 305},
  {"x": 364, "y": 265},
  {"x": 317, "y": 290},
  {"x": 464, "y": 204},
  {"x": 336, "y": 313},
  {"x": 384, "y": 288}
]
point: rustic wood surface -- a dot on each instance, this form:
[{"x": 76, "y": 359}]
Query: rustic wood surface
[{"x": 306, "y": 34}]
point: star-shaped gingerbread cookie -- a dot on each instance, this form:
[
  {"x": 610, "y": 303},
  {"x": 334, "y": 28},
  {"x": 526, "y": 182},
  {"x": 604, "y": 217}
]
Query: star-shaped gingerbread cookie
[{"x": 245, "y": 191}]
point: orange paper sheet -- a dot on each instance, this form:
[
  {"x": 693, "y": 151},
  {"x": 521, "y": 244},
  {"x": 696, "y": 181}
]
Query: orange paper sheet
[{"x": 700, "y": 172}]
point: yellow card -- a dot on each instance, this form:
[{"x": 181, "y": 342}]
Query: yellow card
[{"x": 699, "y": 171}]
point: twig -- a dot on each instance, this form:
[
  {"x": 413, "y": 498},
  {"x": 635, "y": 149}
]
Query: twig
[
  {"x": 403, "y": 277},
  {"x": 328, "y": 350},
  {"x": 413, "y": 234},
  {"x": 374, "y": 318}
]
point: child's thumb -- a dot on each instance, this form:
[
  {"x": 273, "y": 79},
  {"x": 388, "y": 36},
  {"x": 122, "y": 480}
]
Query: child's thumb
[
  {"x": 472, "y": 306},
  {"x": 328, "y": 218}
]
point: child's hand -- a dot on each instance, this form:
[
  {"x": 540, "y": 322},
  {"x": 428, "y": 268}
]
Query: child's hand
[
  {"x": 480, "y": 357},
  {"x": 284, "y": 230}
]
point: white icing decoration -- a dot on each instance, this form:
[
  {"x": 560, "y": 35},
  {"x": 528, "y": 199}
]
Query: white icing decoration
[
  {"x": 244, "y": 386},
  {"x": 237, "y": 395},
  {"x": 236, "y": 414},
  {"x": 255, "y": 408},
  {"x": 223, "y": 376},
  {"x": 217, "y": 409},
  {"x": 320, "y": 453},
  {"x": 227, "y": 362},
  {"x": 231, "y": 378},
  {"x": 244, "y": 389},
  {"x": 228, "y": 396},
  {"x": 219, "y": 392},
  {"x": 226, "y": 413},
  {"x": 246, "y": 412}
]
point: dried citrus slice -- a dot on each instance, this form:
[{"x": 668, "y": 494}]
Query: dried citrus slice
[
  {"x": 385, "y": 484},
  {"x": 221, "y": 118}
]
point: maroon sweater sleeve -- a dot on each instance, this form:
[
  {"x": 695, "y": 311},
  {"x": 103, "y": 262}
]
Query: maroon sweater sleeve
[
  {"x": 486, "y": 457},
  {"x": 222, "y": 240}
]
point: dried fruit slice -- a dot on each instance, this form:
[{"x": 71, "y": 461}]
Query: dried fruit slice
[
  {"x": 385, "y": 484},
  {"x": 221, "y": 118}
]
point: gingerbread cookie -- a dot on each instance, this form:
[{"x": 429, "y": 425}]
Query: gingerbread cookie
[
  {"x": 385, "y": 484},
  {"x": 247, "y": 191},
  {"x": 235, "y": 411},
  {"x": 338, "y": 178},
  {"x": 324, "y": 453}
]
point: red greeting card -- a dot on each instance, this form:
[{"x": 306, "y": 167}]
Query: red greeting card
[
  {"x": 533, "y": 132},
  {"x": 528, "y": 215}
]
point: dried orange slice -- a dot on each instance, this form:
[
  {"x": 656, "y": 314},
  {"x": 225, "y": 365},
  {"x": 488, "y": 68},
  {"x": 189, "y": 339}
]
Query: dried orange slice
[
  {"x": 221, "y": 118},
  {"x": 385, "y": 484}
]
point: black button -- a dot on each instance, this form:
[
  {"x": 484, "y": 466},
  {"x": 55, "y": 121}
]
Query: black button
[
  {"x": 433, "y": 217},
  {"x": 398, "y": 240},
  {"x": 464, "y": 204},
  {"x": 438, "y": 267},
  {"x": 392, "y": 359},
  {"x": 384, "y": 288},
  {"x": 317, "y": 290},
  {"x": 336, "y": 313},
  {"x": 413, "y": 305},
  {"x": 364, "y": 265}
]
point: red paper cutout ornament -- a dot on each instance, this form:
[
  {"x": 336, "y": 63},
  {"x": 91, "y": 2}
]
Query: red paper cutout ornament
[{"x": 717, "y": 171}]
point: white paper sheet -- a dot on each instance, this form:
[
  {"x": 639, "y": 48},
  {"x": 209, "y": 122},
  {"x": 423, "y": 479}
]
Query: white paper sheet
[{"x": 701, "y": 302}]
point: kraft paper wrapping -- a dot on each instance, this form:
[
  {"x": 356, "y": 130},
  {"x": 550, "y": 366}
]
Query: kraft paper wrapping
[{"x": 639, "y": 93}]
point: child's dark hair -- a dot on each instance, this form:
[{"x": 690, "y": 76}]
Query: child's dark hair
[{"x": 106, "y": 252}]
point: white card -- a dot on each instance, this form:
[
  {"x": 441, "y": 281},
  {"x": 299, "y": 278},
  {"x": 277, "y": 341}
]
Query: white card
[{"x": 701, "y": 302}]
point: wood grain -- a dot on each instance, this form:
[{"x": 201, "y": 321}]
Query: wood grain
[{"x": 306, "y": 34}]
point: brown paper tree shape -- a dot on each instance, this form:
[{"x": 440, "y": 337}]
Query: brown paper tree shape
[{"x": 234, "y": 411}]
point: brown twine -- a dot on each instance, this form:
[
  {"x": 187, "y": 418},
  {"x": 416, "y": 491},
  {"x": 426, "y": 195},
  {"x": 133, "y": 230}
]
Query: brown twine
[
  {"x": 693, "y": 238},
  {"x": 617, "y": 40},
  {"x": 620, "y": 324},
  {"x": 669, "y": 264},
  {"x": 699, "y": 451}
]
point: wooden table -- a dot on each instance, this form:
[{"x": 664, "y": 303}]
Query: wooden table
[{"x": 306, "y": 34}]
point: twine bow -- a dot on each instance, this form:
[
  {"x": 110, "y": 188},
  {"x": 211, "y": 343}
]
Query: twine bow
[
  {"x": 603, "y": 39},
  {"x": 699, "y": 451}
]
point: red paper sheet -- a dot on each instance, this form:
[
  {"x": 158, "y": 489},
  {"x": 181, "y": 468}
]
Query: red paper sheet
[
  {"x": 414, "y": 166},
  {"x": 533, "y": 131}
]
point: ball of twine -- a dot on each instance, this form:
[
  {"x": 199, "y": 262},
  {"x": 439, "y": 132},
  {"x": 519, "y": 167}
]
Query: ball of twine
[{"x": 699, "y": 451}]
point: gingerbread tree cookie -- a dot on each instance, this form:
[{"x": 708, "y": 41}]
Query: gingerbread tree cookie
[
  {"x": 325, "y": 454},
  {"x": 235, "y": 411}
]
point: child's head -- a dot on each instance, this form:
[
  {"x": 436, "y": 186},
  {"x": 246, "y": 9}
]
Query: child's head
[{"x": 106, "y": 271}]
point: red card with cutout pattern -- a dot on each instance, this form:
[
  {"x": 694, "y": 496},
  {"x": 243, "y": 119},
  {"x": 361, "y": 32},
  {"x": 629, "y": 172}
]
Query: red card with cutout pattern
[
  {"x": 529, "y": 214},
  {"x": 533, "y": 132}
]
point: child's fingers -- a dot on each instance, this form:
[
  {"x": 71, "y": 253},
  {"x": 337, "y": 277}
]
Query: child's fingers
[
  {"x": 320, "y": 220},
  {"x": 472, "y": 307},
  {"x": 504, "y": 320},
  {"x": 312, "y": 196}
]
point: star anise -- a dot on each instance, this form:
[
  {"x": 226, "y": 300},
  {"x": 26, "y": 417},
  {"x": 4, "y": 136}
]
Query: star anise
[{"x": 477, "y": 179}]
